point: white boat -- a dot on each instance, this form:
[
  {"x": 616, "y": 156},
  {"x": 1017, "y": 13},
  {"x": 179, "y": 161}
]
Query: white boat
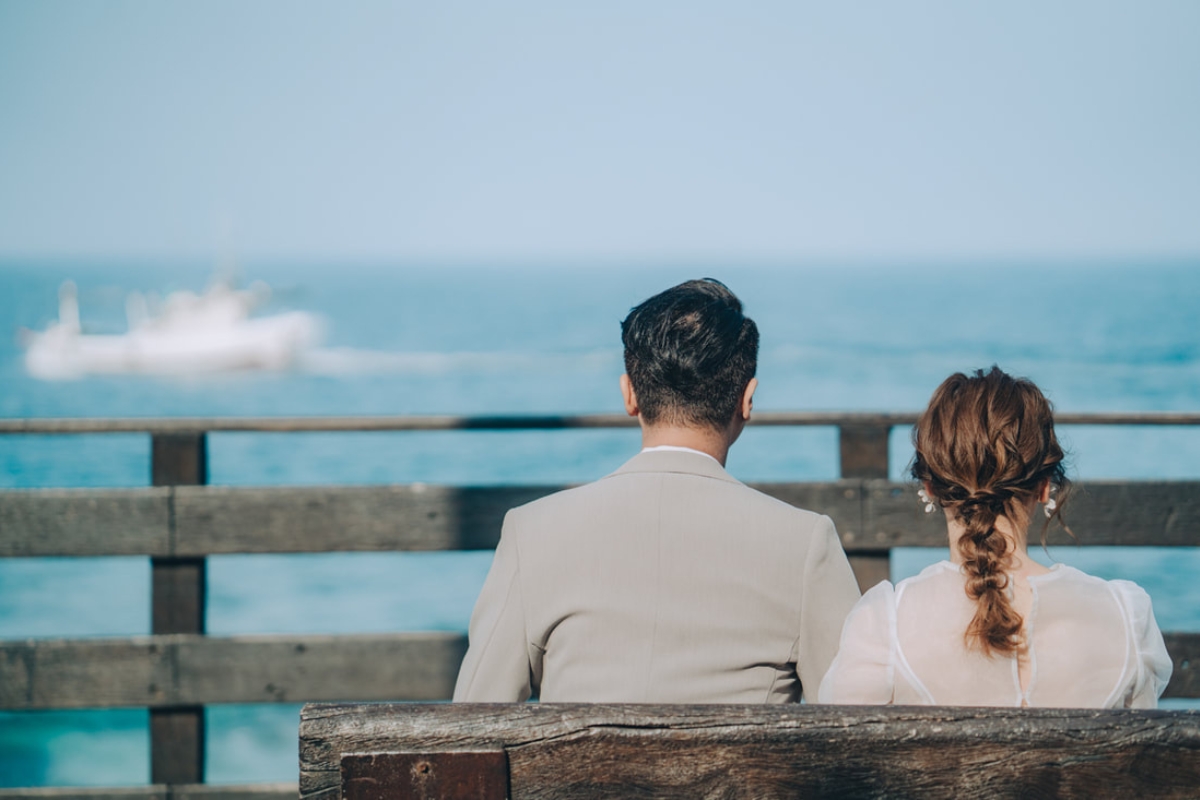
[{"x": 192, "y": 334}]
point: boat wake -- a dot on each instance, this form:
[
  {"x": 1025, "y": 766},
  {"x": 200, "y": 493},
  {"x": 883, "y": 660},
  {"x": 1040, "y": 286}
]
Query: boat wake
[
  {"x": 216, "y": 332},
  {"x": 345, "y": 361},
  {"x": 213, "y": 332}
]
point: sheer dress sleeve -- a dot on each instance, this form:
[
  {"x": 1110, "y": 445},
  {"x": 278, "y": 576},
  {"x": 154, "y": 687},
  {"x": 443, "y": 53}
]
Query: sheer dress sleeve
[
  {"x": 1153, "y": 663},
  {"x": 864, "y": 670}
]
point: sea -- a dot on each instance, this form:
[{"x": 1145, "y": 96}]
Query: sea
[{"x": 1099, "y": 335}]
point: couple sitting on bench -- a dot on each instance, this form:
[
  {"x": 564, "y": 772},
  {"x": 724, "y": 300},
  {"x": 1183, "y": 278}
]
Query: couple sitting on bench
[{"x": 669, "y": 581}]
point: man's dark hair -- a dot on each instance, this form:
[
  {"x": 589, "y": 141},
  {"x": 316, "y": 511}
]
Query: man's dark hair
[{"x": 689, "y": 353}]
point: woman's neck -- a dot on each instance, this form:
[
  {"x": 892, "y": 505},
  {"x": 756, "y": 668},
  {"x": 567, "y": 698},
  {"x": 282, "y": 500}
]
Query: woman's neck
[{"x": 1019, "y": 564}]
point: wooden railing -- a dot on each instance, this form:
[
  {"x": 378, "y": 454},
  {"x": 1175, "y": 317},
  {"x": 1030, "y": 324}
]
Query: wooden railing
[{"x": 178, "y": 522}]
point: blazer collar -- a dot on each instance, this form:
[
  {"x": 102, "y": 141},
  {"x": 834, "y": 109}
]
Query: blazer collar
[{"x": 676, "y": 461}]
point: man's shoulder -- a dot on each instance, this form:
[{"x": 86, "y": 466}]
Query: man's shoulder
[
  {"x": 568, "y": 496},
  {"x": 709, "y": 491},
  {"x": 771, "y": 509},
  {"x": 582, "y": 494}
]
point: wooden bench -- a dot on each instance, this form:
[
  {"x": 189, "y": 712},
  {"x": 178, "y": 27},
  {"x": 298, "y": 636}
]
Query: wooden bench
[{"x": 582, "y": 751}]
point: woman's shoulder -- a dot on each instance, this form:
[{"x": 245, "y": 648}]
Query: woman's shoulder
[
  {"x": 941, "y": 572},
  {"x": 874, "y": 613},
  {"x": 1126, "y": 590},
  {"x": 1132, "y": 600},
  {"x": 879, "y": 596}
]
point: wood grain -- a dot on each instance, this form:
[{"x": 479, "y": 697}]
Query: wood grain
[
  {"x": 1099, "y": 513},
  {"x": 181, "y": 521},
  {"x": 863, "y": 450},
  {"x": 182, "y": 669},
  {"x": 85, "y": 522},
  {"x": 580, "y": 752},
  {"x": 1185, "y": 653},
  {"x": 186, "y": 670},
  {"x": 216, "y": 520}
]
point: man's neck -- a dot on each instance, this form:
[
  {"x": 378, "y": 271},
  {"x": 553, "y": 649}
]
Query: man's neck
[{"x": 707, "y": 440}]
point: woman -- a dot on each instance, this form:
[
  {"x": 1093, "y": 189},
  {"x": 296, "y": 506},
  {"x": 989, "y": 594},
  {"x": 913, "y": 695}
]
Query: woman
[{"x": 991, "y": 627}]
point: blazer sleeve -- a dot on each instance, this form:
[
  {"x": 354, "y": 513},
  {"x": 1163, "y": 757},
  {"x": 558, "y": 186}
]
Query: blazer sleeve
[
  {"x": 497, "y": 668},
  {"x": 830, "y": 590}
]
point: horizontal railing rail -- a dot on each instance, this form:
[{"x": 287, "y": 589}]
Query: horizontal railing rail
[
  {"x": 178, "y": 522},
  {"x": 197, "y": 521},
  {"x": 191, "y": 425},
  {"x": 193, "y": 669},
  {"x": 182, "y": 670}
]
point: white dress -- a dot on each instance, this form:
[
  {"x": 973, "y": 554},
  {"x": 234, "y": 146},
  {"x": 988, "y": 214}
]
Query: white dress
[{"x": 1093, "y": 644}]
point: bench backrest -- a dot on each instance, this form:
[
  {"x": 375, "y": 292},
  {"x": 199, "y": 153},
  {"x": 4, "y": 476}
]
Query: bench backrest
[{"x": 363, "y": 752}]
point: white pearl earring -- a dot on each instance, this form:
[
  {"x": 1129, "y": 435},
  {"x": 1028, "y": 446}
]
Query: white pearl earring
[
  {"x": 926, "y": 499},
  {"x": 1051, "y": 505}
]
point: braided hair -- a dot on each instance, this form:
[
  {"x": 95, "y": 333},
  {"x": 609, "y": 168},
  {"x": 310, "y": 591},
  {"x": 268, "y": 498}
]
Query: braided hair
[{"x": 985, "y": 448}]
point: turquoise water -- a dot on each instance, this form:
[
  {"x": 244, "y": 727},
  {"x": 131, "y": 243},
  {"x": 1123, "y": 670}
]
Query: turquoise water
[{"x": 1096, "y": 337}]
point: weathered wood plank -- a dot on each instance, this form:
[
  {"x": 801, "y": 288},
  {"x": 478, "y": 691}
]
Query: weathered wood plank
[
  {"x": 594, "y": 751},
  {"x": 314, "y": 519},
  {"x": 84, "y": 522},
  {"x": 260, "y": 791},
  {"x": 286, "y": 669},
  {"x": 863, "y": 450},
  {"x": 200, "y": 521},
  {"x": 178, "y": 595},
  {"x": 80, "y": 673},
  {"x": 1100, "y": 513},
  {"x": 1185, "y": 653},
  {"x": 86, "y": 793},
  {"x": 216, "y": 520},
  {"x": 1123, "y": 512},
  {"x": 192, "y": 425},
  {"x": 870, "y": 568},
  {"x": 461, "y": 775},
  {"x": 870, "y": 516},
  {"x": 182, "y": 670},
  {"x": 170, "y": 425},
  {"x": 178, "y": 601},
  {"x": 177, "y": 744},
  {"x": 199, "y": 791},
  {"x": 178, "y": 458}
]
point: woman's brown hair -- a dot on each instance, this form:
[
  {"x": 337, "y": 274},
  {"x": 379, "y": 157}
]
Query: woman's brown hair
[{"x": 985, "y": 447}]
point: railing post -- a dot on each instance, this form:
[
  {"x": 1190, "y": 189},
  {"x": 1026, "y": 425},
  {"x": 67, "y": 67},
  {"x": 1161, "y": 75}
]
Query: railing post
[
  {"x": 177, "y": 606},
  {"x": 864, "y": 454}
]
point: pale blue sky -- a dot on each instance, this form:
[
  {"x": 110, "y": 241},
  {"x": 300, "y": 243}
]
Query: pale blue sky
[{"x": 644, "y": 131}]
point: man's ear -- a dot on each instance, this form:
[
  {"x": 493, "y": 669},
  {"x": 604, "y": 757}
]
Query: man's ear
[
  {"x": 631, "y": 404},
  {"x": 748, "y": 398}
]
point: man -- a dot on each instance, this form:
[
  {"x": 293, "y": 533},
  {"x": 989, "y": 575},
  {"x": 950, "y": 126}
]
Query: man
[{"x": 667, "y": 581}]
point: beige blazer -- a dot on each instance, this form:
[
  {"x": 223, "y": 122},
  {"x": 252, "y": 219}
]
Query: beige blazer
[{"x": 667, "y": 581}]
